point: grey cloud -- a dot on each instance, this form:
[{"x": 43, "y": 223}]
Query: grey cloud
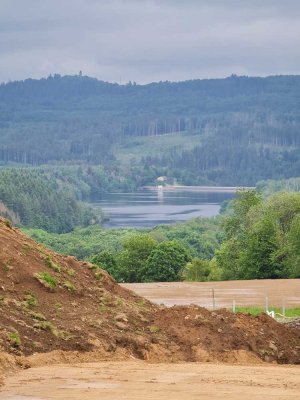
[{"x": 147, "y": 40}]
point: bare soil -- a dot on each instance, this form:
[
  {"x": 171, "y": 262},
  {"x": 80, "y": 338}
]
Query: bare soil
[
  {"x": 86, "y": 316},
  {"x": 139, "y": 380},
  {"x": 244, "y": 293}
]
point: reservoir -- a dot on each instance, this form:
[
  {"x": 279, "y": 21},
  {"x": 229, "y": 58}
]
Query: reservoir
[{"x": 153, "y": 206}]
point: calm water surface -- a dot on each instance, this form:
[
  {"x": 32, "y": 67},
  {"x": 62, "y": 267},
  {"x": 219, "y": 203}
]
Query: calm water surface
[{"x": 151, "y": 207}]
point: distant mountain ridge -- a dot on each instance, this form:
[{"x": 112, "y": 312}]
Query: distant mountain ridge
[{"x": 232, "y": 131}]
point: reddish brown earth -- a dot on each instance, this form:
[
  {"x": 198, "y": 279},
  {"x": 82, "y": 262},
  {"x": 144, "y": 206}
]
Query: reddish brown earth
[{"x": 88, "y": 317}]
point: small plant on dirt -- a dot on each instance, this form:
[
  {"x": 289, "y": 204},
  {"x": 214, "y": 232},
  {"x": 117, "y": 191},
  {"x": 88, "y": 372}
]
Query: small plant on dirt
[
  {"x": 104, "y": 304},
  {"x": 30, "y": 300},
  {"x": 69, "y": 286},
  {"x": 46, "y": 280},
  {"x": 43, "y": 250},
  {"x": 93, "y": 267},
  {"x": 14, "y": 339},
  {"x": 48, "y": 326},
  {"x": 103, "y": 308},
  {"x": 119, "y": 302},
  {"x": 37, "y": 316},
  {"x": 140, "y": 303},
  {"x": 154, "y": 329},
  {"x": 6, "y": 267},
  {"x": 98, "y": 275},
  {"x": 59, "y": 307},
  {"x": 51, "y": 264},
  {"x": 94, "y": 323},
  {"x": 69, "y": 271},
  {"x": 264, "y": 352},
  {"x": 26, "y": 248}
]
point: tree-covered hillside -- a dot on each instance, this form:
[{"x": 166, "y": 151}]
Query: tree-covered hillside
[
  {"x": 233, "y": 131},
  {"x": 49, "y": 198}
]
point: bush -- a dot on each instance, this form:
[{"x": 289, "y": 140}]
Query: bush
[
  {"x": 197, "y": 270},
  {"x": 165, "y": 262}
]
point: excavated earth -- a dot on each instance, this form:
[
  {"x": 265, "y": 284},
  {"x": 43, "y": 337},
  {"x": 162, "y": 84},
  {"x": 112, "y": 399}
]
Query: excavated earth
[{"x": 56, "y": 309}]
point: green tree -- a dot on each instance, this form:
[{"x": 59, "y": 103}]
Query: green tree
[
  {"x": 292, "y": 249},
  {"x": 132, "y": 260},
  {"x": 262, "y": 238},
  {"x": 197, "y": 270},
  {"x": 257, "y": 258},
  {"x": 237, "y": 222},
  {"x": 166, "y": 262}
]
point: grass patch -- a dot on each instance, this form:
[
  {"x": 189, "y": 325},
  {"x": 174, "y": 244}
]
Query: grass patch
[
  {"x": 30, "y": 300},
  {"x": 46, "y": 279},
  {"x": 97, "y": 271},
  {"x": 47, "y": 326},
  {"x": 70, "y": 271},
  {"x": 154, "y": 329},
  {"x": 98, "y": 275},
  {"x": 37, "y": 316},
  {"x": 51, "y": 264},
  {"x": 69, "y": 286},
  {"x": 14, "y": 339},
  {"x": 289, "y": 312}
]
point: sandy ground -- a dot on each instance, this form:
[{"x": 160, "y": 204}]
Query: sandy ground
[
  {"x": 139, "y": 380},
  {"x": 244, "y": 293}
]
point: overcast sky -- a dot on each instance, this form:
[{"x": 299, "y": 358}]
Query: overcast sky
[{"x": 149, "y": 40}]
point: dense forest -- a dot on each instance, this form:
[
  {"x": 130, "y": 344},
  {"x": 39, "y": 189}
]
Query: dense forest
[
  {"x": 40, "y": 198},
  {"x": 201, "y": 236},
  {"x": 232, "y": 131}
]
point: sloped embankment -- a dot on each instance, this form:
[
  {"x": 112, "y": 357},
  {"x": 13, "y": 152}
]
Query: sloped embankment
[{"x": 50, "y": 302}]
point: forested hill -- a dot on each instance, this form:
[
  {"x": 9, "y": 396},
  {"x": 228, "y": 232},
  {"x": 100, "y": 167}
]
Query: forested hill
[{"x": 235, "y": 131}]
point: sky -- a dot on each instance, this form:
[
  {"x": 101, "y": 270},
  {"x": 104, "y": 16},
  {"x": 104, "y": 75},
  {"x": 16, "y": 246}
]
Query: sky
[{"x": 149, "y": 40}]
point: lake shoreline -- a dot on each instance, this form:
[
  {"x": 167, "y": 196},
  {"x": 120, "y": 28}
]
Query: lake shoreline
[
  {"x": 209, "y": 189},
  {"x": 158, "y": 206}
]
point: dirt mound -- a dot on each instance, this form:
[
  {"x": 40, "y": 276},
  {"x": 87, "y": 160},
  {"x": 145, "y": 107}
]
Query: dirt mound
[
  {"x": 52, "y": 303},
  {"x": 292, "y": 322},
  {"x": 214, "y": 335}
]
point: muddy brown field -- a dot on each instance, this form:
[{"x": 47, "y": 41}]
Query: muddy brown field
[
  {"x": 244, "y": 293},
  {"x": 141, "y": 381}
]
